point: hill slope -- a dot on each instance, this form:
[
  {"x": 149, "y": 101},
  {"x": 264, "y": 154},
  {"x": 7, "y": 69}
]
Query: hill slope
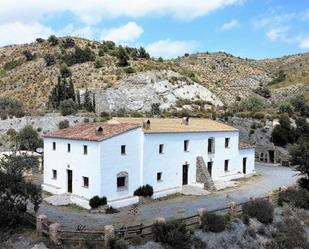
[{"x": 225, "y": 76}]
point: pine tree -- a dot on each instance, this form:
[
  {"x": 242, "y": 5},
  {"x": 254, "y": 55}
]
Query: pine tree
[
  {"x": 122, "y": 57},
  {"x": 93, "y": 102},
  {"x": 87, "y": 101},
  {"x": 78, "y": 99}
]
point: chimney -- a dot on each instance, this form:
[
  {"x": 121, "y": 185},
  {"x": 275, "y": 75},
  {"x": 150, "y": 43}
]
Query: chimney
[
  {"x": 99, "y": 131},
  {"x": 185, "y": 120},
  {"x": 146, "y": 124}
]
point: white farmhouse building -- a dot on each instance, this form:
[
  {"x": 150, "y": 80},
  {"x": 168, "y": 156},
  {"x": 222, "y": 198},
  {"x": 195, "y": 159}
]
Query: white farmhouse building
[{"x": 113, "y": 159}]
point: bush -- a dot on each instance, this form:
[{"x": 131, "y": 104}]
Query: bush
[
  {"x": 65, "y": 71},
  {"x": 171, "y": 233},
  {"x": 12, "y": 64},
  {"x": 263, "y": 91},
  {"x": 68, "y": 107},
  {"x": 11, "y": 133},
  {"x": 298, "y": 198},
  {"x": 64, "y": 124},
  {"x": 303, "y": 183},
  {"x": 260, "y": 209},
  {"x": 213, "y": 222},
  {"x": 68, "y": 43},
  {"x": 117, "y": 244},
  {"x": 96, "y": 201},
  {"x": 28, "y": 54},
  {"x": 39, "y": 40},
  {"x": 53, "y": 40},
  {"x": 146, "y": 191},
  {"x": 49, "y": 60},
  {"x": 98, "y": 62},
  {"x": 28, "y": 139}
]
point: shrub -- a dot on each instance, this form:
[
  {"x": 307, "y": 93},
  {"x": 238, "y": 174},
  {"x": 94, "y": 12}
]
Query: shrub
[
  {"x": 291, "y": 234},
  {"x": 39, "y": 40},
  {"x": 28, "y": 54},
  {"x": 68, "y": 107},
  {"x": 130, "y": 70},
  {"x": 298, "y": 198},
  {"x": 53, "y": 40},
  {"x": 49, "y": 60},
  {"x": 105, "y": 114},
  {"x": 263, "y": 91},
  {"x": 28, "y": 139},
  {"x": 86, "y": 120},
  {"x": 64, "y": 124},
  {"x": 117, "y": 244},
  {"x": 303, "y": 183},
  {"x": 98, "y": 62},
  {"x": 65, "y": 70},
  {"x": 96, "y": 201},
  {"x": 11, "y": 133},
  {"x": 171, "y": 233},
  {"x": 68, "y": 43},
  {"x": 213, "y": 222},
  {"x": 146, "y": 191},
  {"x": 260, "y": 209},
  {"x": 12, "y": 64}
]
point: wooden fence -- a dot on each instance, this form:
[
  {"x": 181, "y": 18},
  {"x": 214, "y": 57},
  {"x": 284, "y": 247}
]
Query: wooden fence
[{"x": 81, "y": 234}]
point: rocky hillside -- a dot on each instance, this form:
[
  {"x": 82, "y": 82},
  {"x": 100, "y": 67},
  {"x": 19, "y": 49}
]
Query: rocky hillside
[{"x": 28, "y": 73}]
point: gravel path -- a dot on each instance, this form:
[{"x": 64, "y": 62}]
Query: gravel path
[{"x": 271, "y": 178}]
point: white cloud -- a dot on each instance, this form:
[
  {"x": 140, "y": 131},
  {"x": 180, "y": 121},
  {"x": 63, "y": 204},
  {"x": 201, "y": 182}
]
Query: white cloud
[
  {"x": 92, "y": 11},
  {"x": 171, "y": 48},
  {"x": 18, "y": 33},
  {"x": 278, "y": 33},
  {"x": 304, "y": 42},
  {"x": 127, "y": 33},
  {"x": 274, "y": 20},
  {"x": 231, "y": 24},
  {"x": 71, "y": 30}
]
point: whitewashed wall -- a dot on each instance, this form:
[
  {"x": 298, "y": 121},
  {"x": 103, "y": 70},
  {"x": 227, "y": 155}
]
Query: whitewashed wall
[
  {"x": 112, "y": 163},
  {"x": 171, "y": 161},
  {"x": 80, "y": 164}
]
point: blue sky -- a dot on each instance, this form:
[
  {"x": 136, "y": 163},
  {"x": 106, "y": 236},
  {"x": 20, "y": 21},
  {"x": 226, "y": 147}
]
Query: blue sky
[{"x": 167, "y": 28}]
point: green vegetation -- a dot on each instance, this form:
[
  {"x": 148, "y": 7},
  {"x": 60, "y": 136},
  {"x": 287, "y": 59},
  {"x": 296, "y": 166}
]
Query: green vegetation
[
  {"x": 96, "y": 201},
  {"x": 251, "y": 104},
  {"x": 68, "y": 107},
  {"x": 63, "y": 124},
  {"x": 173, "y": 234},
  {"x": 122, "y": 57},
  {"x": 283, "y": 133},
  {"x": 281, "y": 76},
  {"x": 10, "y": 106},
  {"x": 213, "y": 222},
  {"x": 296, "y": 197},
  {"x": 146, "y": 191},
  {"x": 28, "y": 139},
  {"x": 12, "y": 64},
  {"x": 64, "y": 90},
  {"x": 262, "y": 210},
  {"x": 15, "y": 192},
  {"x": 65, "y": 71},
  {"x": 78, "y": 55},
  {"x": 29, "y": 56},
  {"x": 263, "y": 91},
  {"x": 50, "y": 60},
  {"x": 53, "y": 40}
]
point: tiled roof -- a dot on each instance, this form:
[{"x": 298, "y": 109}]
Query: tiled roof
[
  {"x": 160, "y": 125},
  {"x": 243, "y": 145},
  {"x": 89, "y": 131}
]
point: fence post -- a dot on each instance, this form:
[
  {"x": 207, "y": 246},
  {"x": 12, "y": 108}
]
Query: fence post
[
  {"x": 160, "y": 220},
  {"x": 233, "y": 209},
  {"x": 200, "y": 212},
  {"x": 54, "y": 233},
  {"x": 109, "y": 234},
  {"x": 40, "y": 219},
  {"x": 270, "y": 197}
]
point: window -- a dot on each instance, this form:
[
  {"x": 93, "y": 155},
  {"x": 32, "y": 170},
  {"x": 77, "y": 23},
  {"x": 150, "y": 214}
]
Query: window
[
  {"x": 161, "y": 147},
  {"x": 85, "y": 182},
  {"x": 226, "y": 165},
  {"x": 186, "y": 145},
  {"x": 123, "y": 149},
  {"x": 69, "y": 148},
  {"x": 54, "y": 145},
  {"x": 227, "y": 142},
  {"x": 211, "y": 145},
  {"x": 159, "y": 176},
  {"x": 85, "y": 150},
  {"x": 122, "y": 181},
  {"x": 54, "y": 174}
]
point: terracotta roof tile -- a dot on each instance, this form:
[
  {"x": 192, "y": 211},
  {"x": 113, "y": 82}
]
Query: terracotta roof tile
[{"x": 89, "y": 131}]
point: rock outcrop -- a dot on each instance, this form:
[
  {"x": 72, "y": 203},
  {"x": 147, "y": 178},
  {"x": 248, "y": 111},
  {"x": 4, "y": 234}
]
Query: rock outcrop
[{"x": 139, "y": 91}]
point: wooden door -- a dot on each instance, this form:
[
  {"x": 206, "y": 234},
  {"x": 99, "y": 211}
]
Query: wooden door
[
  {"x": 244, "y": 165},
  {"x": 70, "y": 180},
  {"x": 185, "y": 169}
]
